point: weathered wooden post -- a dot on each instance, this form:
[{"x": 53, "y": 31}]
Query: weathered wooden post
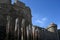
[
  {"x": 23, "y": 29},
  {"x": 7, "y": 27},
  {"x": 2, "y": 25},
  {"x": 5, "y": 11},
  {"x": 28, "y": 21},
  {"x": 16, "y": 32}
]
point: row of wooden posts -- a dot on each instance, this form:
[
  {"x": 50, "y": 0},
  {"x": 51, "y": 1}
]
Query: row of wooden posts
[
  {"x": 15, "y": 31},
  {"x": 16, "y": 25},
  {"x": 21, "y": 32}
]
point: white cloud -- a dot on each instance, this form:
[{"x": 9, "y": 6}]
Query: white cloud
[
  {"x": 39, "y": 21},
  {"x": 42, "y": 20}
]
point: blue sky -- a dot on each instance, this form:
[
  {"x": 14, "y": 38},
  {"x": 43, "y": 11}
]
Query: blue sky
[{"x": 44, "y": 12}]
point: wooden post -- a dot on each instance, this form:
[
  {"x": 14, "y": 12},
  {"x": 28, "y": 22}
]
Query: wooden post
[{"x": 7, "y": 27}]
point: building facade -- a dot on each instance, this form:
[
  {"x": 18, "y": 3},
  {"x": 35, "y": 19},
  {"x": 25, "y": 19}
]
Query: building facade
[{"x": 16, "y": 23}]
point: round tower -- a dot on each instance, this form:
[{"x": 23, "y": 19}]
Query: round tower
[{"x": 52, "y": 27}]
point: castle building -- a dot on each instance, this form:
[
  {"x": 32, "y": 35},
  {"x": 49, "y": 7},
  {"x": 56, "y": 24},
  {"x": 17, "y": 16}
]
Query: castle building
[{"x": 16, "y": 23}]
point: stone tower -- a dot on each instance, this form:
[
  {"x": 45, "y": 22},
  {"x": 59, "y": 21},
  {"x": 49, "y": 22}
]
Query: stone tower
[{"x": 52, "y": 27}]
